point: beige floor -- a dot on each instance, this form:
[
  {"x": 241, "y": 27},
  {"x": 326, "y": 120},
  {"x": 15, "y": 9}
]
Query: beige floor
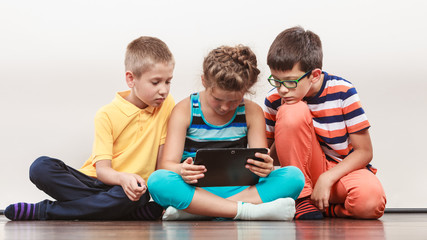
[{"x": 404, "y": 226}]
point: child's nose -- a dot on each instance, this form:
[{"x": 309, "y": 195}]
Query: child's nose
[
  {"x": 283, "y": 89},
  {"x": 164, "y": 89},
  {"x": 225, "y": 107}
]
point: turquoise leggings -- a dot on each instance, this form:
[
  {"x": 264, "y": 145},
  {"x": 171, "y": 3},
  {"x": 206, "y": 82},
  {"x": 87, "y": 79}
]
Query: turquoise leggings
[{"x": 168, "y": 188}]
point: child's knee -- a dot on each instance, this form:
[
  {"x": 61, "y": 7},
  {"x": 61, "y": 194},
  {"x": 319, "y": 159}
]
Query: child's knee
[
  {"x": 369, "y": 204},
  {"x": 39, "y": 164},
  {"x": 297, "y": 177},
  {"x": 294, "y": 114},
  {"x": 283, "y": 182},
  {"x": 39, "y": 168},
  {"x": 157, "y": 181},
  {"x": 368, "y": 210},
  {"x": 169, "y": 189},
  {"x": 297, "y": 174},
  {"x": 163, "y": 182}
]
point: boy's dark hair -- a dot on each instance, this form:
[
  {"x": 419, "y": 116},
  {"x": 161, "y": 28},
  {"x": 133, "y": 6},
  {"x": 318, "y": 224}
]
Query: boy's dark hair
[
  {"x": 143, "y": 52},
  {"x": 295, "y": 45}
]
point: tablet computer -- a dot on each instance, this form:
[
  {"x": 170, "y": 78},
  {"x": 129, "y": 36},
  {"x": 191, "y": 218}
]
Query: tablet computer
[{"x": 226, "y": 166}]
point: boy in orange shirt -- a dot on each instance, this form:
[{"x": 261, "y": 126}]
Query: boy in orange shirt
[{"x": 316, "y": 122}]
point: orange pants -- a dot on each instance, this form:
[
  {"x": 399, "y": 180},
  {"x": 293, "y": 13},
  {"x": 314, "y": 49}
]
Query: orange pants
[{"x": 358, "y": 194}]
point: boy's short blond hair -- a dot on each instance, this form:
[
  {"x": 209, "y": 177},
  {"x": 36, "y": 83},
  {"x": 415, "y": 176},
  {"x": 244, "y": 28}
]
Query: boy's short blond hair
[{"x": 143, "y": 52}]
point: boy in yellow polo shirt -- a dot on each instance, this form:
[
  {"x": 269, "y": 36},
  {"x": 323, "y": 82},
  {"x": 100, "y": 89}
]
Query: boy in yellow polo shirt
[{"x": 129, "y": 135}]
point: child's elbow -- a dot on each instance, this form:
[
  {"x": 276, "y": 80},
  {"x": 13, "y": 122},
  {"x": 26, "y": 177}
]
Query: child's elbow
[
  {"x": 368, "y": 155},
  {"x": 160, "y": 165},
  {"x": 163, "y": 164}
]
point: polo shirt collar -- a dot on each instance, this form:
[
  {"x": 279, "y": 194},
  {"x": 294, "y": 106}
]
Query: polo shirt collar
[{"x": 128, "y": 108}]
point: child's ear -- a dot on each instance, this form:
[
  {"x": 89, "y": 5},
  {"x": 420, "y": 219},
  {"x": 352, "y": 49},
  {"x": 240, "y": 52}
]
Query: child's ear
[
  {"x": 203, "y": 81},
  {"x": 130, "y": 79},
  {"x": 316, "y": 75}
]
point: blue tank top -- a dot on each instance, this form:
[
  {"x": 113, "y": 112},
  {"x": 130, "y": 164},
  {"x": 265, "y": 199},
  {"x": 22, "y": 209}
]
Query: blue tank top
[{"x": 201, "y": 134}]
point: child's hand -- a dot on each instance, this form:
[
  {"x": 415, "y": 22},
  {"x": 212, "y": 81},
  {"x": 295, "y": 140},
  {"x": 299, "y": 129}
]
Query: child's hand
[
  {"x": 321, "y": 192},
  {"x": 190, "y": 172},
  {"x": 260, "y": 168},
  {"x": 133, "y": 185}
]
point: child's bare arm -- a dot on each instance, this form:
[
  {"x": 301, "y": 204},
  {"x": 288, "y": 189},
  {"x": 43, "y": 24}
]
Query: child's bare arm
[
  {"x": 257, "y": 139},
  {"x": 273, "y": 153},
  {"x": 174, "y": 146},
  {"x": 358, "y": 159},
  {"x": 159, "y": 155}
]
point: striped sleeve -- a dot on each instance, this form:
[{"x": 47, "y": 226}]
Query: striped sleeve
[
  {"x": 354, "y": 115},
  {"x": 271, "y": 104},
  {"x": 337, "y": 112}
]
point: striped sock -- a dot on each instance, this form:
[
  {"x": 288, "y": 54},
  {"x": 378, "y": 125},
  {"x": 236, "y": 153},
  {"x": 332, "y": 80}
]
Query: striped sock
[
  {"x": 22, "y": 211},
  {"x": 149, "y": 211},
  {"x": 305, "y": 210},
  {"x": 330, "y": 211}
]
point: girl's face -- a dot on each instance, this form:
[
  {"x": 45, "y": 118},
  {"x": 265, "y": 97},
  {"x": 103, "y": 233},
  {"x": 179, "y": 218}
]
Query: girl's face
[{"x": 223, "y": 101}]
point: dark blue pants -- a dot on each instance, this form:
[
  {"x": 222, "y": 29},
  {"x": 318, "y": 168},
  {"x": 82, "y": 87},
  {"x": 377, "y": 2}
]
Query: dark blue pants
[{"x": 77, "y": 195}]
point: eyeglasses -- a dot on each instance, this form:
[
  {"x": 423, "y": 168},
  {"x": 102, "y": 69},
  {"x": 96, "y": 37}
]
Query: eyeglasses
[{"x": 287, "y": 83}]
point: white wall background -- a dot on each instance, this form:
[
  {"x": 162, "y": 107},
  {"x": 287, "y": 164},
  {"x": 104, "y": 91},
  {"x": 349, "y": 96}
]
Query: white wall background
[{"x": 62, "y": 60}]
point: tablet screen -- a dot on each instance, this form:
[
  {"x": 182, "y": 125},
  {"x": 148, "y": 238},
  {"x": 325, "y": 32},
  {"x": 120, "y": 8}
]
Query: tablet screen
[{"x": 226, "y": 167}]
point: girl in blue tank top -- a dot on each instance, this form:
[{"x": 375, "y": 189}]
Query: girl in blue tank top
[
  {"x": 220, "y": 117},
  {"x": 202, "y": 134}
]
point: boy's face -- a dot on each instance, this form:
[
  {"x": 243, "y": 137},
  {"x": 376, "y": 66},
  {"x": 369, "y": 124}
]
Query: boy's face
[
  {"x": 152, "y": 87},
  {"x": 293, "y": 95}
]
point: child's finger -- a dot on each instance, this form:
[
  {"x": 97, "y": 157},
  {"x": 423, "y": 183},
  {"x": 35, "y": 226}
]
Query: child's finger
[
  {"x": 130, "y": 195},
  {"x": 189, "y": 160},
  {"x": 266, "y": 157},
  {"x": 258, "y": 171},
  {"x": 190, "y": 181},
  {"x": 188, "y": 172},
  {"x": 193, "y": 175},
  {"x": 138, "y": 186},
  {"x": 193, "y": 178},
  {"x": 258, "y": 164},
  {"x": 188, "y": 167},
  {"x": 267, "y": 160},
  {"x": 261, "y": 166},
  {"x": 260, "y": 174},
  {"x": 140, "y": 190}
]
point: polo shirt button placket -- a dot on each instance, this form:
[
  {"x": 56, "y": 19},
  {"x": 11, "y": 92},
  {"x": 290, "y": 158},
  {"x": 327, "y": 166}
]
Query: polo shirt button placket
[{"x": 141, "y": 116}]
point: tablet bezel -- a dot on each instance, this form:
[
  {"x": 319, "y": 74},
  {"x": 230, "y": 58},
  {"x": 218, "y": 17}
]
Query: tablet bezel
[{"x": 226, "y": 166}]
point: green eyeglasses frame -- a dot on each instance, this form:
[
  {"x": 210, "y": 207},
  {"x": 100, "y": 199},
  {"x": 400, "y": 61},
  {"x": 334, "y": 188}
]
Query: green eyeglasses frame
[{"x": 287, "y": 83}]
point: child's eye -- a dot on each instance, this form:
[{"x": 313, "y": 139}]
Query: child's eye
[{"x": 155, "y": 83}]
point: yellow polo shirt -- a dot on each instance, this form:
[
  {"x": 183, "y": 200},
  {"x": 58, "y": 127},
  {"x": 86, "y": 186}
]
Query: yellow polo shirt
[{"x": 129, "y": 136}]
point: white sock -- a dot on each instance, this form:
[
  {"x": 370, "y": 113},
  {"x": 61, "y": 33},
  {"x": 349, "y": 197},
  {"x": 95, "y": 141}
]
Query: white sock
[
  {"x": 173, "y": 214},
  {"x": 282, "y": 209}
]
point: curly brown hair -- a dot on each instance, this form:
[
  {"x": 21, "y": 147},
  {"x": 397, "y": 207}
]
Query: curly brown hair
[{"x": 231, "y": 68}]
